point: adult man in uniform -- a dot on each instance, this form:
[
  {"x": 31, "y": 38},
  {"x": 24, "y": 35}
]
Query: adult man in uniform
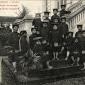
[{"x": 63, "y": 11}]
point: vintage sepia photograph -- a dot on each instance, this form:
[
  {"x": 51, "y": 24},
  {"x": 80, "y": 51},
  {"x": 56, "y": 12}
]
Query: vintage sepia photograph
[{"x": 42, "y": 42}]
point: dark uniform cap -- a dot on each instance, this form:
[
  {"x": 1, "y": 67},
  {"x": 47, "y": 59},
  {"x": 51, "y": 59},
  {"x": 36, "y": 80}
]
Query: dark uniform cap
[
  {"x": 63, "y": 5},
  {"x": 55, "y": 9},
  {"x": 46, "y": 12},
  {"x": 15, "y": 25},
  {"x": 79, "y": 25}
]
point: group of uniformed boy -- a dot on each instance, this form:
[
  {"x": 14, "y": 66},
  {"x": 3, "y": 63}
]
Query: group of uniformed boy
[
  {"x": 50, "y": 40},
  {"x": 53, "y": 38}
]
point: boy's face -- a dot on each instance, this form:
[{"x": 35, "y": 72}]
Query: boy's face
[
  {"x": 55, "y": 20},
  {"x": 63, "y": 7},
  {"x": 45, "y": 25},
  {"x": 15, "y": 29},
  {"x": 38, "y": 32},
  {"x": 76, "y": 40},
  {"x": 33, "y": 31},
  {"x": 79, "y": 28},
  {"x": 55, "y": 27},
  {"x": 44, "y": 42},
  {"x": 70, "y": 35},
  {"x": 37, "y": 16},
  {"x": 55, "y": 12},
  {"x": 63, "y": 20},
  {"x": 55, "y": 44},
  {"x": 46, "y": 15}
]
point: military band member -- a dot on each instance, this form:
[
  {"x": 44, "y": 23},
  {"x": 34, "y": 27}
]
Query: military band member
[
  {"x": 63, "y": 11},
  {"x": 55, "y": 15}
]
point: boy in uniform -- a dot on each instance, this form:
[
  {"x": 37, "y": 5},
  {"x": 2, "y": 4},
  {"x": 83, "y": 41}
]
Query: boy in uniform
[
  {"x": 55, "y": 12},
  {"x": 63, "y": 27},
  {"x": 63, "y": 11},
  {"x": 37, "y": 23},
  {"x": 44, "y": 31}
]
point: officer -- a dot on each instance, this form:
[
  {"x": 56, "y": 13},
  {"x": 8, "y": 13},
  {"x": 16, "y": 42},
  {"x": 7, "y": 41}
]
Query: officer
[
  {"x": 63, "y": 27},
  {"x": 55, "y": 15},
  {"x": 37, "y": 21},
  {"x": 63, "y": 11},
  {"x": 14, "y": 37}
]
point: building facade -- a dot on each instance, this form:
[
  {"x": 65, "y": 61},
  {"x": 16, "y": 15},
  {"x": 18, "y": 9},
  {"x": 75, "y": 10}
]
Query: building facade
[{"x": 77, "y": 15}]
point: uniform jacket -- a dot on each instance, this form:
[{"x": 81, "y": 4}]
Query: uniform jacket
[
  {"x": 63, "y": 28},
  {"x": 14, "y": 40}
]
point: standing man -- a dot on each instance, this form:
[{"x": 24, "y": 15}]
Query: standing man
[{"x": 55, "y": 15}]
